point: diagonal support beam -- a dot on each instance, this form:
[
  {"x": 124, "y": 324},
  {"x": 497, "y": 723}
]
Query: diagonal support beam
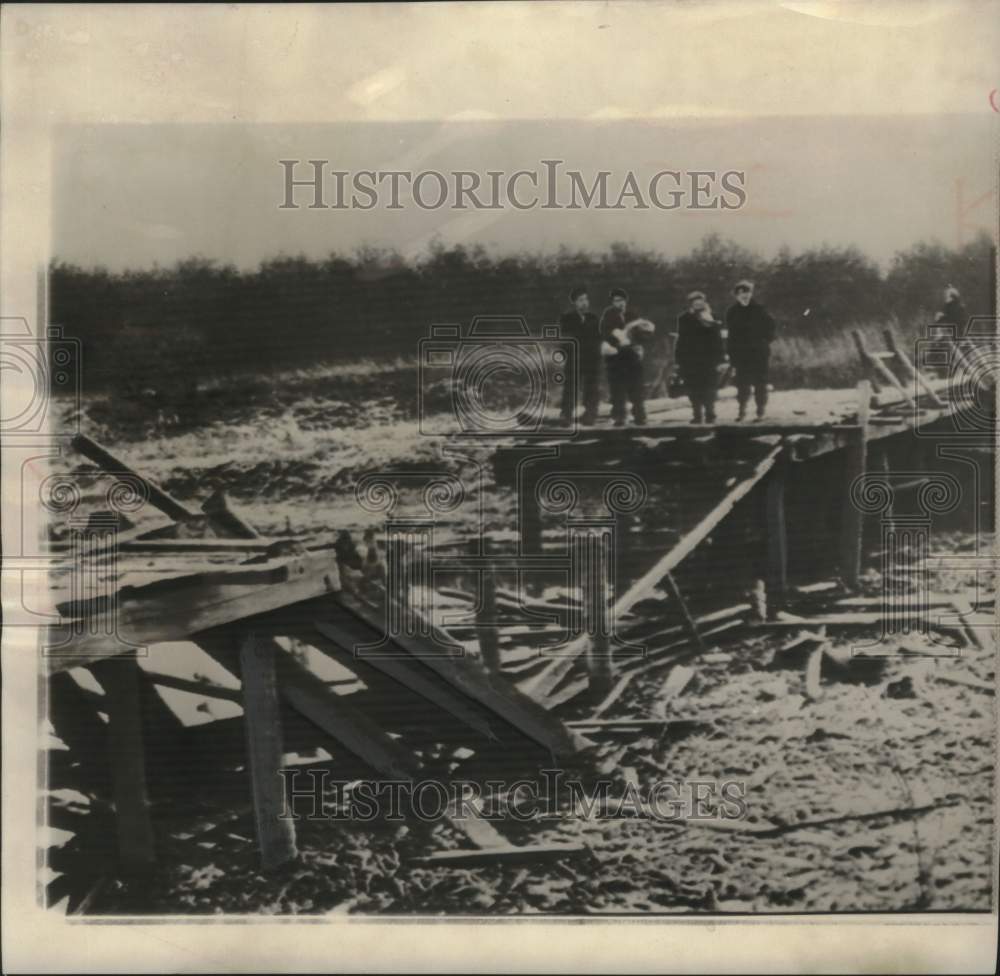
[{"x": 548, "y": 680}]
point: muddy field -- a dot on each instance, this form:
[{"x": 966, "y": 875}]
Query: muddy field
[{"x": 871, "y": 790}]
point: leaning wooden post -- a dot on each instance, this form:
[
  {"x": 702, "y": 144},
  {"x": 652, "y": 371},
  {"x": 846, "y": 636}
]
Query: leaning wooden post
[
  {"x": 530, "y": 514},
  {"x": 865, "y": 356},
  {"x": 777, "y": 536},
  {"x": 158, "y": 498},
  {"x": 126, "y": 752},
  {"x": 852, "y": 522},
  {"x": 489, "y": 641},
  {"x": 689, "y": 621},
  {"x": 226, "y": 522},
  {"x": 599, "y": 667},
  {"x": 911, "y": 371},
  {"x": 262, "y": 719},
  {"x": 879, "y": 371}
]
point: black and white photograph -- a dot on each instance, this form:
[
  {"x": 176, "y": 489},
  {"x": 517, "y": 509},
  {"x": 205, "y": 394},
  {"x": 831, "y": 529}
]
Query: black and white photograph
[{"x": 500, "y": 463}]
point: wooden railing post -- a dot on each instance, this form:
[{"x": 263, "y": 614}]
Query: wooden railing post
[
  {"x": 777, "y": 536},
  {"x": 126, "y": 754},
  {"x": 530, "y": 514},
  {"x": 489, "y": 641},
  {"x": 262, "y": 719},
  {"x": 852, "y": 522}
]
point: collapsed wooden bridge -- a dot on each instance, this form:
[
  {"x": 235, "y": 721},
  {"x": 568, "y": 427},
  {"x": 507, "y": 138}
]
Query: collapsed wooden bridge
[{"x": 253, "y": 604}]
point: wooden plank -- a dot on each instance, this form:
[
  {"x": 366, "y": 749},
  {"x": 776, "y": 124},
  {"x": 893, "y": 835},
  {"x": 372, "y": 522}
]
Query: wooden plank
[
  {"x": 852, "y": 521},
  {"x": 468, "y": 677},
  {"x": 529, "y": 512},
  {"x": 613, "y": 696},
  {"x": 312, "y": 698},
  {"x": 814, "y": 666},
  {"x": 207, "y": 688},
  {"x": 160, "y": 612},
  {"x": 567, "y": 693},
  {"x": 224, "y": 520},
  {"x": 909, "y": 369},
  {"x": 467, "y": 815},
  {"x": 486, "y": 627},
  {"x": 167, "y": 504},
  {"x": 600, "y": 667},
  {"x": 679, "y": 678},
  {"x": 549, "y": 679},
  {"x": 690, "y": 624},
  {"x": 126, "y": 755},
  {"x": 336, "y": 638},
  {"x": 262, "y": 720},
  {"x": 510, "y": 853},
  {"x": 879, "y": 369}
]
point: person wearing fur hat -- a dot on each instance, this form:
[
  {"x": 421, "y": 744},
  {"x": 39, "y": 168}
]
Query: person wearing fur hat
[
  {"x": 581, "y": 324},
  {"x": 622, "y": 332},
  {"x": 751, "y": 332},
  {"x": 699, "y": 353}
]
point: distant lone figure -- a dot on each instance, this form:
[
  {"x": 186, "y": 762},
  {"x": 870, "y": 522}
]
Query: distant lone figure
[
  {"x": 581, "y": 324},
  {"x": 698, "y": 354},
  {"x": 953, "y": 311},
  {"x": 751, "y": 332}
]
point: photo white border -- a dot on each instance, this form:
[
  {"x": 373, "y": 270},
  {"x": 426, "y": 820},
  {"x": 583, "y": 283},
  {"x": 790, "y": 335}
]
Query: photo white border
[{"x": 77, "y": 63}]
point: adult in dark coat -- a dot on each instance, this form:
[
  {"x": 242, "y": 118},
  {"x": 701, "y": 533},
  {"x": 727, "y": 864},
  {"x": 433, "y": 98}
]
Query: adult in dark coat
[
  {"x": 699, "y": 352},
  {"x": 623, "y": 359},
  {"x": 751, "y": 332},
  {"x": 581, "y": 324}
]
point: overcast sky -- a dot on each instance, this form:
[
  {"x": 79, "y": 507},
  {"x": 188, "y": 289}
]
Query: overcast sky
[
  {"x": 853, "y": 120},
  {"x": 131, "y": 196}
]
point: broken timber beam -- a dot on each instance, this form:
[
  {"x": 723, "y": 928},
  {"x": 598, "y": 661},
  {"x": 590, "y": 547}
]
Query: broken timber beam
[
  {"x": 337, "y": 638},
  {"x": 224, "y": 520},
  {"x": 262, "y": 721},
  {"x": 545, "y": 683},
  {"x": 777, "y": 536},
  {"x": 689, "y": 622},
  {"x": 852, "y": 521},
  {"x": 911, "y": 371},
  {"x": 310, "y": 696},
  {"x": 877, "y": 368},
  {"x": 508, "y": 853},
  {"x": 175, "y": 608},
  {"x": 468, "y": 677},
  {"x": 93, "y": 451},
  {"x": 486, "y": 627}
]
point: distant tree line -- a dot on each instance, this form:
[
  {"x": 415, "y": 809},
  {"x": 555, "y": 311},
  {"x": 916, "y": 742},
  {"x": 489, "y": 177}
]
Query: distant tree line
[{"x": 200, "y": 319}]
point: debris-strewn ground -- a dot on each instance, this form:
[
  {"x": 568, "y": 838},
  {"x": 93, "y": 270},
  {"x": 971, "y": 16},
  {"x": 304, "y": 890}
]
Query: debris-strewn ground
[{"x": 875, "y": 794}]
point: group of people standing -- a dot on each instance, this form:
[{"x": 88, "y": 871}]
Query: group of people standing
[
  {"x": 616, "y": 339},
  {"x": 705, "y": 351}
]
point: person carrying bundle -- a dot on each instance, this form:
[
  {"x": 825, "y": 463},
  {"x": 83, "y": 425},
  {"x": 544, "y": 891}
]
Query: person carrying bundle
[{"x": 622, "y": 333}]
